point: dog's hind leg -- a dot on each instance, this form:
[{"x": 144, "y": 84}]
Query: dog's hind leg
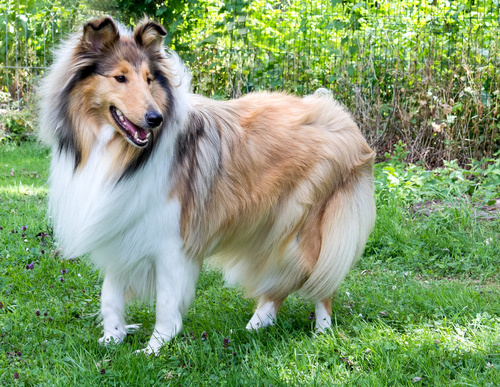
[
  {"x": 323, "y": 314},
  {"x": 113, "y": 310},
  {"x": 265, "y": 314}
]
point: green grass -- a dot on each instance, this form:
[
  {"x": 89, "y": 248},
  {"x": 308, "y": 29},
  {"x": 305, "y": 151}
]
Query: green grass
[{"x": 422, "y": 307}]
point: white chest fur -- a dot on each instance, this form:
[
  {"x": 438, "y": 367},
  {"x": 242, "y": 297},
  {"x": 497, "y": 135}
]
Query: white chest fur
[{"x": 94, "y": 214}]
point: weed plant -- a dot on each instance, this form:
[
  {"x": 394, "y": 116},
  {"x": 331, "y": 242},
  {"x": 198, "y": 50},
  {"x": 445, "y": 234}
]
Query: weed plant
[{"x": 422, "y": 306}]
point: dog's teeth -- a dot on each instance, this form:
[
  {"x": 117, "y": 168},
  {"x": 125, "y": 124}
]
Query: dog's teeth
[
  {"x": 136, "y": 135},
  {"x": 148, "y": 135}
]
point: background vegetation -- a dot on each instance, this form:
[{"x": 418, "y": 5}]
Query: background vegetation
[
  {"x": 424, "y": 73},
  {"x": 421, "y": 307}
]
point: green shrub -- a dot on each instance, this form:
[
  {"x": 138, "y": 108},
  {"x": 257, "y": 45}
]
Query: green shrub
[
  {"x": 424, "y": 73},
  {"x": 16, "y": 125}
]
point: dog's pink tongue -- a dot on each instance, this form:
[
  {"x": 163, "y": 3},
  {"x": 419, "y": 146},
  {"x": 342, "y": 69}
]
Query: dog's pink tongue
[{"x": 133, "y": 129}]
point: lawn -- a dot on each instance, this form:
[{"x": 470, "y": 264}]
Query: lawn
[{"x": 422, "y": 307}]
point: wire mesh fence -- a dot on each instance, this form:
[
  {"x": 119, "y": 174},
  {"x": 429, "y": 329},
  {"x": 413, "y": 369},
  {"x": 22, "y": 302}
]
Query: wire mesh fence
[
  {"x": 28, "y": 38},
  {"x": 423, "y": 73}
]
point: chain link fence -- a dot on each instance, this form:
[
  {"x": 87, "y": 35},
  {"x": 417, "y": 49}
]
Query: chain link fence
[{"x": 424, "y": 74}]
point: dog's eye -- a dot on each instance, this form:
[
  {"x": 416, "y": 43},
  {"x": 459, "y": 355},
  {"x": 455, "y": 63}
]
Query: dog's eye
[
  {"x": 120, "y": 78},
  {"x": 149, "y": 81}
]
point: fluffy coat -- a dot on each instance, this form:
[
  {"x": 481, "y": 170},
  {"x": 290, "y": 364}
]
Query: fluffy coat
[{"x": 275, "y": 190}]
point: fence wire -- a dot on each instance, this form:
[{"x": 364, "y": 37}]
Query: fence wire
[{"x": 425, "y": 73}]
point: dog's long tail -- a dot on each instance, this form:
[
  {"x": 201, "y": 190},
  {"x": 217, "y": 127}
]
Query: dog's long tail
[{"x": 348, "y": 219}]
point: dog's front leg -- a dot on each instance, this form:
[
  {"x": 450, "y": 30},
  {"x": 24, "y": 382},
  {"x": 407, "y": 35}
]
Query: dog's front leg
[
  {"x": 176, "y": 278},
  {"x": 112, "y": 310}
]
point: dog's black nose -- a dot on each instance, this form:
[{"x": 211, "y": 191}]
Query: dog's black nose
[{"x": 153, "y": 119}]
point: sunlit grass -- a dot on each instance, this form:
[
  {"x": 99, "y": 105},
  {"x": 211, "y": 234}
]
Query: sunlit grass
[
  {"x": 422, "y": 307},
  {"x": 22, "y": 189}
]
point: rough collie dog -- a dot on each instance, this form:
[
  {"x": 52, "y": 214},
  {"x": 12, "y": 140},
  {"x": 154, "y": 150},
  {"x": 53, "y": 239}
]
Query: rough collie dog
[{"x": 275, "y": 190}]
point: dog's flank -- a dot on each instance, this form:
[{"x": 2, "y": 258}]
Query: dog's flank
[
  {"x": 275, "y": 190},
  {"x": 260, "y": 178}
]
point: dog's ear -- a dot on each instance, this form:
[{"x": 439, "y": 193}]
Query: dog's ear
[
  {"x": 100, "y": 33},
  {"x": 149, "y": 34}
]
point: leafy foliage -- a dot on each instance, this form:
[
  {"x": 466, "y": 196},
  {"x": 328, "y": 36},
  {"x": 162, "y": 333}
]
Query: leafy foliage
[
  {"x": 425, "y": 73},
  {"x": 479, "y": 182},
  {"x": 171, "y": 13},
  {"x": 31, "y": 29},
  {"x": 16, "y": 125},
  {"x": 411, "y": 71}
]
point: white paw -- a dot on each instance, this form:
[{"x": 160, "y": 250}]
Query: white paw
[
  {"x": 264, "y": 316},
  {"x": 253, "y": 326},
  {"x": 148, "y": 351},
  {"x": 323, "y": 325},
  {"x": 323, "y": 315},
  {"x": 153, "y": 347},
  {"x": 257, "y": 322},
  {"x": 110, "y": 339},
  {"x": 132, "y": 327},
  {"x": 115, "y": 336}
]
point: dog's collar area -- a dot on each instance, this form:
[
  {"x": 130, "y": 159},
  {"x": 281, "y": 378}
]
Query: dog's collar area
[{"x": 136, "y": 135}]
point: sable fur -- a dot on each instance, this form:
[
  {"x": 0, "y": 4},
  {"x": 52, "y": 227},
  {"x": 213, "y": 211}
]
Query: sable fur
[{"x": 275, "y": 190}]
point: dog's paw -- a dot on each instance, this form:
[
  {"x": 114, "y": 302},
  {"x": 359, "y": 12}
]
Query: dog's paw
[
  {"x": 148, "y": 351},
  {"x": 323, "y": 325},
  {"x": 109, "y": 340},
  {"x": 254, "y": 326},
  {"x": 155, "y": 343},
  {"x": 115, "y": 337},
  {"x": 258, "y": 322},
  {"x": 264, "y": 315},
  {"x": 132, "y": 327}
]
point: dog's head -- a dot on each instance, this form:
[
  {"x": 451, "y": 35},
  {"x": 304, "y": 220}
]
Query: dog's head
[
  {"x": 120, "y": 82},
  {"x": 114, "y": 86}
]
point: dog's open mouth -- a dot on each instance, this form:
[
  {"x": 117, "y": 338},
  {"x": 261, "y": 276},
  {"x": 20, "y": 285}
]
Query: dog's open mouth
[{"x": 136, "y": 135}]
